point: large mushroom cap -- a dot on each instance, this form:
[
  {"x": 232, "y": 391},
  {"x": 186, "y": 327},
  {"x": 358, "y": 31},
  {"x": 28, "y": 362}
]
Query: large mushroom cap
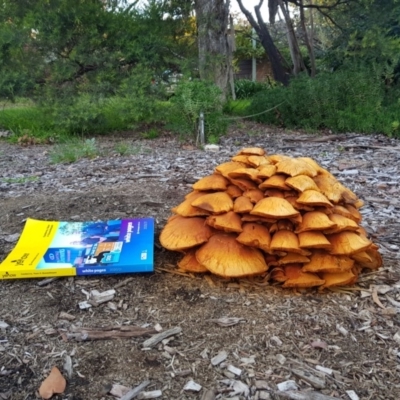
[
  {"x": 348, "y": 243},
  {"x": 274, "y": 207},
  {"x": 218, "y": 202},
  {"x": 223, "y": 255},
  {"x": 257, "y": 161},
  {"x": 265, "y": 171},
  {"x": 342, "y": 224},
  {"x": 183, "y": 233},
  {"x": 245, "y": 173},
  {"x": 211, "y": 182}
]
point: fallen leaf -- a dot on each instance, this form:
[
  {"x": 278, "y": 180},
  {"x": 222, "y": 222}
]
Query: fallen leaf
[
  {"x": 227, "y": 321},
  {"x": 54, "y": 383},
  {"x": 319, "y": 344},
  {"x": 376, "y": 298}
]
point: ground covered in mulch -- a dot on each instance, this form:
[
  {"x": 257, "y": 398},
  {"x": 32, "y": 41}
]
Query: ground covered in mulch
[{"x": 238, "y": 339}]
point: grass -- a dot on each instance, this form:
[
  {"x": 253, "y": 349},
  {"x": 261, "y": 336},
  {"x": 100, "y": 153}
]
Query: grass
[
  {"x": 73, "y": 150},
  {"x": 22, "y": 179}
]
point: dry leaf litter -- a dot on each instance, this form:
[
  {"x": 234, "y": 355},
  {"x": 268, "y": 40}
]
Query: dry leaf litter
[{"x": 230, "y": 339}]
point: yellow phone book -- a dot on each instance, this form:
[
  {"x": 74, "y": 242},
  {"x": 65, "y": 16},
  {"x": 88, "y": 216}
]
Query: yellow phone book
[{"x": 56, "y": 248}]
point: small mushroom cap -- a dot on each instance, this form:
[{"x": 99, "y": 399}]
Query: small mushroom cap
[
  {"x": 241, "y": 158},
  {"x": 242, "y": 205},
  {"x": 278, "y": 274},
  {"x": 314, "y": 198},
  {"x": 274, "y": 207},
  {"x": 301, "y": 183},
  {"x": 223, "y": 255},
  {"x": 275, "y": 158},
  {"x": 313, "y": 240},
  {"x": 245, "y": 173},
  {"x": 218, "y": 202},
  {"x": 293, "y": 258},
  {"x": 265, "y": 171},
  {"x": 315, "y": 221},
  {"x": 185, "y": 209},
  {"x": 211, "y": 182},
  {"x": 257, "y": 151},
  {"x": 244, "y": 184},
  {"x": 329, "y": 186},
  {"x": 354, "y": 212},
  {"x": 338, "y": 279},
  {"x": 183, "y": 233},
  {"x": 274, "y": 193},
  {"x": 294, "y": 167},
  {"x": 189, "y": 262},
  {"x": 299, "y": 279},
  {"x": 375, "y": 259},
  {"x": 285, "y": 241},
  {"x": 348, "y": 213},
  {"x": 254, "y": 195},
  {"x": 255, "y": 235},
  {"x": 342, "y": 224},
  {"x": 257, "y": 218},
  {"x": 228, "y": 222},
  {"x": 257, "y": 161},
  {"x": 323, "y": 262},
  {"x": 348, "y": 243},
  {"x": 276, "y": 181},
  {"x": 312, "y": 163},
  {"x": 293, "y": 201},
  {"x": 234, "y": 191},
  {"x": 229, "y": 166}
]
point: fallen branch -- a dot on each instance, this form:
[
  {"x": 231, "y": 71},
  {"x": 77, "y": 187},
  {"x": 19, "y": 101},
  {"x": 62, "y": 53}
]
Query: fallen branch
[
  {"x": 135, "y": 391},
  {"x": 113, "y": 332}
]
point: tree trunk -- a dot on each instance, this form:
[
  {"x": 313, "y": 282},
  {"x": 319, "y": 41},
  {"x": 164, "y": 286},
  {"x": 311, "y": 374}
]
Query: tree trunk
[
  {"x": 266, "y": 41},
  {"x": 308, "y": 38},
  {"x": 214, "y": 43},
  {"x": 297, "y": 59}
]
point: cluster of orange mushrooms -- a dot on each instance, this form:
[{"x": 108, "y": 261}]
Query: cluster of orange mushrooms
[{"x": 287, "y": 219}]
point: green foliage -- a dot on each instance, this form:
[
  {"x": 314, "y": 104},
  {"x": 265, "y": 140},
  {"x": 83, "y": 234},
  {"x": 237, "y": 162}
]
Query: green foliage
[
  {"x": 347, "y": 100},
  {"x": 73, "y": 150},
  {"x": 29, "y": 121},
  {"x": 191, "y": 98},
  {"x": 246, "y": 88},
  {"x": 126, "y": 149}
]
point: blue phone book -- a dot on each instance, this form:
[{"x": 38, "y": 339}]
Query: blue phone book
[{"x": 53, "y": 248}]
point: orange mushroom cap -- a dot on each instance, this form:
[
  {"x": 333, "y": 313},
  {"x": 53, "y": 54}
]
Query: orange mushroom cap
[
  {"x": 183, "y": 233},
  {"x": 228, "y": 222},
  {"x": 322, "y": 262},
  {"x": 189, "y": 262},
  {"x": 274, "y": 207},
  {"x": 218, "y": 202},
  {"x": 211, "y": 182},
  {"x": 255, "y": 235},
  {"x": 347, "y": 243},
  {"x": 223, "y": 255}
]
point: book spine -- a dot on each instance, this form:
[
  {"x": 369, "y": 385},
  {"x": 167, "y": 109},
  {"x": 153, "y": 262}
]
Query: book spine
[{"x": 22, "y": 274}]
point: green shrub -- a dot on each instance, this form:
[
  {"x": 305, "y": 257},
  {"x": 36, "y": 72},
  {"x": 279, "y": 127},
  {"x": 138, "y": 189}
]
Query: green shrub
[
  {"x": 344, "y": 101},
  {"x": 246, "y": 88},
  {"x": 191, "y": 98}
]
